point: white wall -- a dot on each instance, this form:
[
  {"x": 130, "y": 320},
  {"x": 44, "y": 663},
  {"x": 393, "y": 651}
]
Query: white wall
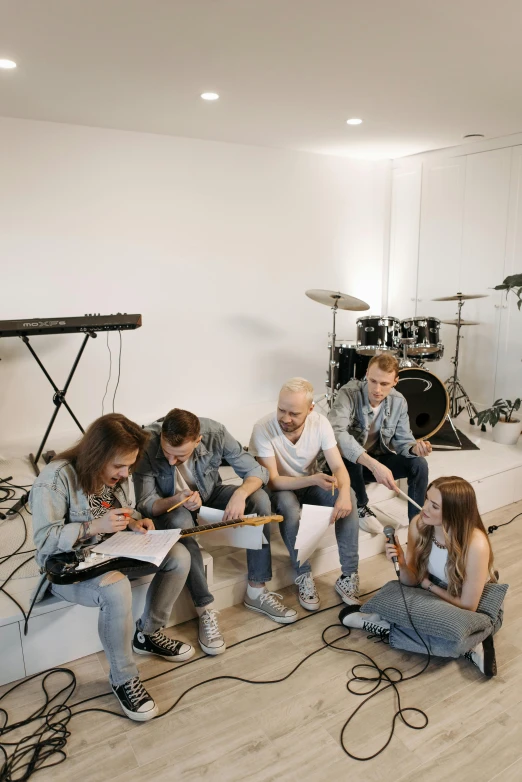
[
  {"x": 213, "y": 243},
  {"x": 457, "y": 221}
]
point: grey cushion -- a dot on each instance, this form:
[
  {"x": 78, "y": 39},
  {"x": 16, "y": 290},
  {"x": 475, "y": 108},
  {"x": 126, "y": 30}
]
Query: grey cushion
[{"x": 431, "y": 615}]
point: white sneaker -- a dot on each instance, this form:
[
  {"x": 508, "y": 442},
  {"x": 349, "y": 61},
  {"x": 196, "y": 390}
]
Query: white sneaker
[
  {"x": 209, "y": 636},
  {"x": 371, "y": 623},
  {"x": 368, "y": 521},
  {"x": 348, "y": 588},
  {"x": 308, "y": 596},
  {"x": 483, "y": 656}
]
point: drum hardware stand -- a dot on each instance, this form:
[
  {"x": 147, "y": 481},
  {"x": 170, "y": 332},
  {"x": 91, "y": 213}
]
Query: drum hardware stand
[
  {"x": 406, "y": 361},
  {"x": 58, "y": 398},
  {"x": 456, "y": 390},
  {"x": 330, "y": 390}
]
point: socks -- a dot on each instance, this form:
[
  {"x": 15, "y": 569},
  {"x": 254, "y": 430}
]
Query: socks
[
  {"x": 201, "y": 609},
  {"x": 254, "y": 592}
]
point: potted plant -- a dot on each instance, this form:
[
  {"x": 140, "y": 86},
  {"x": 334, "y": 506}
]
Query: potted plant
[
  {"x": 512, "y": 283},
  {"x": 506, "y": 429}
]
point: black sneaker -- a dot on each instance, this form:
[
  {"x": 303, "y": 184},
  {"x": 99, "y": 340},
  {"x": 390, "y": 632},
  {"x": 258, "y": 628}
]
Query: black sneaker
[
  {"x": 135, "y": 701},
  {"x": 368, "y": 521},
  {"x": 160, "y": 644},
  {"x": 483, "y": 656}
]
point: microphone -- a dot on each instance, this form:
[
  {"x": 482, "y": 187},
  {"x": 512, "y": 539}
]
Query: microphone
[{"x": 390, "y": 537}]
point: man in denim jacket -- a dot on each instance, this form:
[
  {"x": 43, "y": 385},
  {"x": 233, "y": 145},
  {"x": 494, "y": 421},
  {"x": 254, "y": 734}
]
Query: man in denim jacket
[
  {"x": 372, "y": 428},
  {"x": 181, "y": 465}
]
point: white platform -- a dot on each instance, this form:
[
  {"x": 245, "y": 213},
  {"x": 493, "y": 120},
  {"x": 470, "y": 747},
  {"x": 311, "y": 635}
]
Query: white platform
[{"x": 60, "y": 632}]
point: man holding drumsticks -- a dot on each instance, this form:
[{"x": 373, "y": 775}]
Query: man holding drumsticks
[{"x": 371, "y": 424}]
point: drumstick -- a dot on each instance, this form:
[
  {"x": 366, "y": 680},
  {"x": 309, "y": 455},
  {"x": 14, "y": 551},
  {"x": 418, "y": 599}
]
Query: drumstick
[
  {"x": 181, "y": 503},
  {"x": 409, "y": 499}
]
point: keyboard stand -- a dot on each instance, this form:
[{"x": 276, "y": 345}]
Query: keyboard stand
[{"x": 58, "y": 398}]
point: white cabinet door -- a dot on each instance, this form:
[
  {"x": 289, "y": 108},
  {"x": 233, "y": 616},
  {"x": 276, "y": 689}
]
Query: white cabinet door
[
  {"x": 483, "y": 259},
  {"x": 508, "y": 383},
  {"x": 440, "y": 248},
  {"x": 404, "y": 241}
]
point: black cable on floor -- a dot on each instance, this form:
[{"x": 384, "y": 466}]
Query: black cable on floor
[{"x": 50, "y": 736}]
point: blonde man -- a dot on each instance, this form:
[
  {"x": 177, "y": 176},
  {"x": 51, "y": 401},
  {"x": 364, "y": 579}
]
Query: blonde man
[
  {"x": 288, "y": 443},
  {"x": 370, "y": 420}
]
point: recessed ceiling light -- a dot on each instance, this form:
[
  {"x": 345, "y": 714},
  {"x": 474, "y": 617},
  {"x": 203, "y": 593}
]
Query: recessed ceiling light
[
  {"x": 7, "y": 64},
  {"x": 354, "y": 121},
  {"x": 209, "y": 95}
]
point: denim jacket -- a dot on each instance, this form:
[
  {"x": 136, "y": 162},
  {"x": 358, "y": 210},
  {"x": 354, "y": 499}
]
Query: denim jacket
[
  {"x": 155, "y": 479},
  {"x": 59, "y": 506},
  {"x": 349, "y": 419}
]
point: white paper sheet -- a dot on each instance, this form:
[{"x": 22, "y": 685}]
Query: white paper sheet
[
  {"x": 239, "y": 537},
  {"x": 315, "y": 520},
  {"x": 152, "y": 546}
]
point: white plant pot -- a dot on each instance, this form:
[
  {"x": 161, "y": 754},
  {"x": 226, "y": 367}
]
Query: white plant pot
[{"x": 507, "y": 433}]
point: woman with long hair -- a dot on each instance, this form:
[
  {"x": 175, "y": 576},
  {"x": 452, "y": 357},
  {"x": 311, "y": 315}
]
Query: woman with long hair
[
  {"x": 82, "y": 494},
  {"x": 449, "y": 556}
]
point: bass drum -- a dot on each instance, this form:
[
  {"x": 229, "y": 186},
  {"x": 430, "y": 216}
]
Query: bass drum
[{"x": 427, "y": 398}]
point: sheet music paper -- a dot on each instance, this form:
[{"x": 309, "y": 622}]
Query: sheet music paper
[
  {"x": 152, "y": 546},
  {"x": 315, "y": 520},
  {"x": 239, "y": 537}
]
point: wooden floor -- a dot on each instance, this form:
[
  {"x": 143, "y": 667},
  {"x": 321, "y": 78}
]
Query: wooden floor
[{"x": 226, "y": 731}]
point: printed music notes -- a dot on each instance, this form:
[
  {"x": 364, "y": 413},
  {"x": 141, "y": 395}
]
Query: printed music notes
[{"x": 152, "y": 546}]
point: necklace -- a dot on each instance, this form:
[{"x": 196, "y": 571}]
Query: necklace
[{"x": 434, "y": 540}]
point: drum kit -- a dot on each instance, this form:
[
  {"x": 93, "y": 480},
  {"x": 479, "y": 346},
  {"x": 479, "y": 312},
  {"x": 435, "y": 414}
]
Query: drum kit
[{"x": 430, "y": 401}]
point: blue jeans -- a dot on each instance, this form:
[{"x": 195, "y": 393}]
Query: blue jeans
[
  {"x": 115, "y": 624},
  {"x": 258, "y": 562},
  {"x": 415, "y": 469},
  {"x": 288, "y": 504}
]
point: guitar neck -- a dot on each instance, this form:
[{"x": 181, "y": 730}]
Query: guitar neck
[{"x": 253, "y": 522}]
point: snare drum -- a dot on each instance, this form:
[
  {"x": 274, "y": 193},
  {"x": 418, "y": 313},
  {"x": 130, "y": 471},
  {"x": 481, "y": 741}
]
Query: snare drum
[
  {"x": 425, "y": 333},
  {"x": 377, "y": 335}
]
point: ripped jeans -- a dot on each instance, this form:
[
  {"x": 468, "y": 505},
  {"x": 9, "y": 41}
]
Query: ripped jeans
[{"x": 112, "y": 595}]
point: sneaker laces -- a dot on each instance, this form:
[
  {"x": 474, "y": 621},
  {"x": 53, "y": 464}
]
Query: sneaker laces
[
  {"x": 350, "y": 584},
  {"x": 135, "y": 691},
  {"x": 306, "y": 585},
  {"x": 210, "y": 624},
  {"x": 162, "y": 640},
  {"x": 271, "y": 599},
  {"x": 376, "y": 630},
  {"x": 364, "y": 510}
]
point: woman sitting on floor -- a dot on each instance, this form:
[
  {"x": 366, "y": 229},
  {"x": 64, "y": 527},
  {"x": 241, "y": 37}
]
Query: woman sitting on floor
[{"x": 450, "y": 557}]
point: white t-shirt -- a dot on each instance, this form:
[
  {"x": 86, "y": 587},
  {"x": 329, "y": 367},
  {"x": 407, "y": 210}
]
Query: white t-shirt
[
  {"x": 185, "y": 477},
  {"x": 293, "y": 459},
  {"x": 375, "y": 427}
]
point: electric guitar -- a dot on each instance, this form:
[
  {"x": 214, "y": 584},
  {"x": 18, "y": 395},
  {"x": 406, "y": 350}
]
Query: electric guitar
[{"x": 71, "y": 567}]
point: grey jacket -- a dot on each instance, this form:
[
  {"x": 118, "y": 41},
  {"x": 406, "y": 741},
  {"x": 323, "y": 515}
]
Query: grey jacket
[
  {"x": 59, "y": 506},
  {"x": 349, "y": 419},
  {"x": 155, "y": 479}
]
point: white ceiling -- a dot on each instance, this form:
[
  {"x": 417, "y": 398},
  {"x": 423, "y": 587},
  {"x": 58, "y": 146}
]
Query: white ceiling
[{"x": 421, "y": 73}]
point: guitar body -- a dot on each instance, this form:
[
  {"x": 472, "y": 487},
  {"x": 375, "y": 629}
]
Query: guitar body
[
  {"x": 67, "y": 569},
  {"x": 71, "y": 567}
]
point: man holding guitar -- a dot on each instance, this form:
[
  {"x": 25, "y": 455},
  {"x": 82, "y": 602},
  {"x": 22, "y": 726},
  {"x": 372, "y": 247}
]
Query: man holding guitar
[
  {"x": 177, "y": 474},
  {"x": 85, "y": 493}
]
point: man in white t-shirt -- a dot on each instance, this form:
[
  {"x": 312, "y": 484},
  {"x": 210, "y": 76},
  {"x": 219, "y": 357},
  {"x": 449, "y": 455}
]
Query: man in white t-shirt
[{"x": 288, "y": 443}]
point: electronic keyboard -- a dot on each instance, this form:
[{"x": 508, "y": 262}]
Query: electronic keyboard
[{"x": 88, "y": 323}]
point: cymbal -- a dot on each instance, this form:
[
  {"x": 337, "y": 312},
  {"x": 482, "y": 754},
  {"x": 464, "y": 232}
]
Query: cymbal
[
  {"x": 343, "y": 301},
  {"x": 462, "y": 322},
  {"x": 463, "y": 297}
]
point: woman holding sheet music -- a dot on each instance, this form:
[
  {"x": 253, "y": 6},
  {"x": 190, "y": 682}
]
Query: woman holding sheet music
[{"x": 84, "y": 493}]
